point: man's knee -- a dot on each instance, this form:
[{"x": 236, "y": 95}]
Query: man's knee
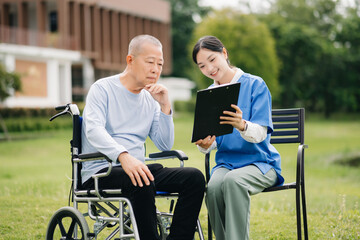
[
  {"x": 193, "y": 179},
  {"x": 197, "y": 177},
  {"x": 144, "y": 192}
]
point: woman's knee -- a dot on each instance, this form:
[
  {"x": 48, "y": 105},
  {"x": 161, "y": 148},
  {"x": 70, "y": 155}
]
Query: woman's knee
[
  {"x": 214, "y": 187},
  {"x": 233, "y": 179}
]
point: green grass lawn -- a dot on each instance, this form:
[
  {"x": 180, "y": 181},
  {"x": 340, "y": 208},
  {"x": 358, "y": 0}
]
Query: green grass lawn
[{"x": 35, "y": 173}]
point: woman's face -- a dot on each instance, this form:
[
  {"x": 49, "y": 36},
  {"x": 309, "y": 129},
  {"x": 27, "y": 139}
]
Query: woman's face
[{"x": 213, "y": 64}]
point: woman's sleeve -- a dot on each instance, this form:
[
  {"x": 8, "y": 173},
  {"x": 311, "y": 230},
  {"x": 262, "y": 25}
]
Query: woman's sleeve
[{"x": 261, "y": 106}]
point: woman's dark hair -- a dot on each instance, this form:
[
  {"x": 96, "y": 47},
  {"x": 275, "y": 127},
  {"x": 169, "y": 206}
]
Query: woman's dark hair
[{"x": 209, "y": 42}]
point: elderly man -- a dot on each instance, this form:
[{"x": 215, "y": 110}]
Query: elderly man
[{"x": 121, "y": 112}]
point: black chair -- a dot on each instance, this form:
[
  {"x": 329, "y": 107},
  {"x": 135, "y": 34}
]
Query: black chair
[
  {"x": 288, "y": 128},
  {"x": 107, "y": 207}
]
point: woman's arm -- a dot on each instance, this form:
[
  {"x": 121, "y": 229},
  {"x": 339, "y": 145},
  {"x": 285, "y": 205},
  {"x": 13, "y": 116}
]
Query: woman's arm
[{"x": 253, "y": 132}]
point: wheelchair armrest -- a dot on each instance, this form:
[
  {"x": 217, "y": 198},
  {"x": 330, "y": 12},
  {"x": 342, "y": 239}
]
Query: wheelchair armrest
[
  {"x": 83, "y": 157},
  {"x": 168, "y": 154}
]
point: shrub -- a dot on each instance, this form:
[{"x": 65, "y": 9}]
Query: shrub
[{"x": 185, "y": 106}]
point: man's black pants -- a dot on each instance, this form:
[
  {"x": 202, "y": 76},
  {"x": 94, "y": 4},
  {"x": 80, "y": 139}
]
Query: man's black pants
[{"x": 188, "y": 182}]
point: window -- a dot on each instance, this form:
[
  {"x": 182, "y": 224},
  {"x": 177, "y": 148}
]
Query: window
[
  {"x": 53, "y": 21},
  {"x": 12, "y": 20}
]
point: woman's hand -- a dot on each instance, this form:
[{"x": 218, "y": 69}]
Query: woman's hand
[
  {"x": 234, "y": 118},
  {"x": 206, "y": 142}
]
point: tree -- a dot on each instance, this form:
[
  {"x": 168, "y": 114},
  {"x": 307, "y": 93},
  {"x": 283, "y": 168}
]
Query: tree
[
  {"x": 8, "y": 83},
  {"x": 317, "y": 42},
  {"x": 248, "y": 41},
  {"x": 299, "y": 50},
  {"x": 184, "y": 14},
  {"x": 348, "y": 41}
]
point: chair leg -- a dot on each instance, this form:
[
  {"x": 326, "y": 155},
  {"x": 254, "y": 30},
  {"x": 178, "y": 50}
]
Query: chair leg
[
  {"x": 304, "y": 211},
  {"x": 298, "y": 213},
  {"x": 209, "y": 229},
  {"x": 199, "y": 229}
]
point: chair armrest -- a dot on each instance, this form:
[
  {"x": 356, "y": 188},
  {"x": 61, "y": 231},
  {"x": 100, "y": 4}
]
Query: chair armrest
[
  {"x": 300, "y": 171},
  {"x": 168, "y": 154},
  {"x": 301, "y": 147},
  {"x": 300, "y": 158},
  {"x": 85, "y": 157}
]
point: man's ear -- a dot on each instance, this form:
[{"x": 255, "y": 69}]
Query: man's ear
[{"x": 129, "y": 59}]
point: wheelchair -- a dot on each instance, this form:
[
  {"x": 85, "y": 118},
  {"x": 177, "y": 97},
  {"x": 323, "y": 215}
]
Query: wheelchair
[{"x": 110, "y": 212}]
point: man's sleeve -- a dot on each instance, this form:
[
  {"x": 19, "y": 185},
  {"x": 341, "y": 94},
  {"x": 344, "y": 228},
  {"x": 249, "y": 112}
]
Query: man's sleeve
[
  {"x": 95, "y": 121},
  {"x": 162, "y": 130}
]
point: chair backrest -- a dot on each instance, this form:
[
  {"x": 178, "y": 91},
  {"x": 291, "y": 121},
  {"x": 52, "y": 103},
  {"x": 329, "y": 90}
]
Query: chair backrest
[
  {"x": 76, "y": 139},
  {"x": 75, "y": 142},
  {"x": 288, "y": 125},
  {"x": 76, "y": 148}
]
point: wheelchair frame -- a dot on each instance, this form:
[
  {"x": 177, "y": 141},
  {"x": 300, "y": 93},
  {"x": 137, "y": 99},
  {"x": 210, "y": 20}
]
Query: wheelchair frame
[{"x": 70, "y": 223}]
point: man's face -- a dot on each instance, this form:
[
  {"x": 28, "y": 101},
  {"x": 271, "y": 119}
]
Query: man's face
[{"x": 147, "y": 65}]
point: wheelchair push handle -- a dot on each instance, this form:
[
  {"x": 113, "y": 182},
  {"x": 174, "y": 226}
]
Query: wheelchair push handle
[
  {"x": 58, "y": 115},
  {"x": 59, "y": 108},
  {"x": 72, "y": 109}
]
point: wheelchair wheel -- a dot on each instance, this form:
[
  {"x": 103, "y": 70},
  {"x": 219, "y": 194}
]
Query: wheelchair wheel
[{"x": 67, "y": 223}]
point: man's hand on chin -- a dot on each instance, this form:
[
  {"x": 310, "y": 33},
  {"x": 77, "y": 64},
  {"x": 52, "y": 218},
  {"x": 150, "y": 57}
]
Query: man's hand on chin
[{"x": 160, "y": 93}]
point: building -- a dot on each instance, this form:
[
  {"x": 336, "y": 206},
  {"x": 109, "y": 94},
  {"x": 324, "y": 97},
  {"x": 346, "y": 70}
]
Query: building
[{"x": 60, "y": 47}]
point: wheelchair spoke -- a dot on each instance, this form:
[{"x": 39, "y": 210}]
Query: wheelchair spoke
[
  {"x": 61, "y": 226},
  {"x": 71, "y": 229}
]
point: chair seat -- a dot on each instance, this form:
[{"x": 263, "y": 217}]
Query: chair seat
[
  {"x": 103, "y": 193},
  {"x": 166, "y": 194},
  {"x": 282, "y": 187},
  {"x": 116, "y": 193}
]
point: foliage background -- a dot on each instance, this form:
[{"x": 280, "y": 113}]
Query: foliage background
[
  {"x": 250, "y": 44},
  {"x": 316, "y": 61}
]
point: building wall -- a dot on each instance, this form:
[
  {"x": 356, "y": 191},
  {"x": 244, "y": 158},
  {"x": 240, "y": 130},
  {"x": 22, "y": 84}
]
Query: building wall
[
  {"x": 98, "y": 30},
  {"x": 33, "y": 77},
  {"x": 46, "y": 74}
]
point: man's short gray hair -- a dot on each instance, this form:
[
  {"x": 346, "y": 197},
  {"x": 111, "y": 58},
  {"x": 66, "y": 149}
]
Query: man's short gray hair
[{"x": 137, "y": 42}]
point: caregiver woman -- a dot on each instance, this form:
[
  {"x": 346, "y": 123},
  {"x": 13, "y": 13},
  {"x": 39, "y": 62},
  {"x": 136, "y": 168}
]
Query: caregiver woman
[{"x": 246, "y": 162}]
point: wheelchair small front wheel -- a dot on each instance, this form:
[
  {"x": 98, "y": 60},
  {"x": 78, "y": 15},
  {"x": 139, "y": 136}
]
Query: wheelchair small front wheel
[{"x": 67, "y": 223}]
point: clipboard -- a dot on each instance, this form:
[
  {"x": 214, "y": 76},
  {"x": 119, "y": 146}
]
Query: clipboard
[{"x": 210, "y": 104}]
